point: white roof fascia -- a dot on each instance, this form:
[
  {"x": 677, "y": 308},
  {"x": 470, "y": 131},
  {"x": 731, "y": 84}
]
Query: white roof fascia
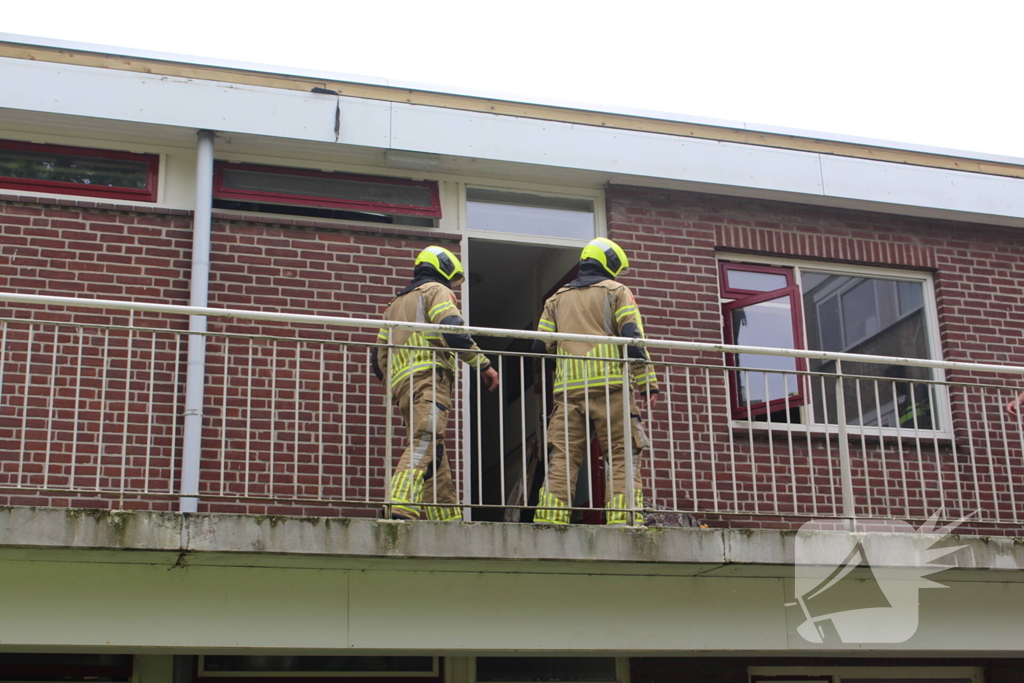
[
  {"x": 627, "y": 156},
  {"x": 506, "y": 97}
]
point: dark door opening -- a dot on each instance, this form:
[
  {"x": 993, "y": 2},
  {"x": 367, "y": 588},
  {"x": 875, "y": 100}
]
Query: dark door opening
[{"x": 508, "y": 282}]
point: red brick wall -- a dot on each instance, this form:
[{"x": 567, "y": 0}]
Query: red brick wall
[
  {"x": 123, "y": 416},
  {"x": 672, "y": 239},
  {"x": 289, "y": 425}
]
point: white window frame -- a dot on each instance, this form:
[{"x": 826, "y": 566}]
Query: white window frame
[
  {"x": 839, "y": 673},
  {"x": 942, "y": 407},
  {"x": 621, "y": 668},
  {"x": 596, "y": 196}
]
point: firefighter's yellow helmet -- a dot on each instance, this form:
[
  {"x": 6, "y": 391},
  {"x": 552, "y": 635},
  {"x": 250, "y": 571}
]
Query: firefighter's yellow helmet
[
  {"x": 444, "y": 262},
  {"x": 610, "y": 255}
]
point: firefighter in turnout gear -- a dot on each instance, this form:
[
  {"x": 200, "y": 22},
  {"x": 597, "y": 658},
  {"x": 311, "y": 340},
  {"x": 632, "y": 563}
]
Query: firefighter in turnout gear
[
  {"x": 422, "y": 372},
  {"x": 591, "y": 392}
]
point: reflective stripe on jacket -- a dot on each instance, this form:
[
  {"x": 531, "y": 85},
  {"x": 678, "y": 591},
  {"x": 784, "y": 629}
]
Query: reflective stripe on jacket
[
  {"x": 414, "y": 351},
  {"x": 603, "y": 308}
]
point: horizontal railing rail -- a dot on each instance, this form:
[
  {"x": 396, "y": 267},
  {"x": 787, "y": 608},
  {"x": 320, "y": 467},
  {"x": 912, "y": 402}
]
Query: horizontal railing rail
[{"x": 91, "y": 406}]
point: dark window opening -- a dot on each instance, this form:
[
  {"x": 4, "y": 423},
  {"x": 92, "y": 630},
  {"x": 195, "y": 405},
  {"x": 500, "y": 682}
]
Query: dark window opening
[
  {"x": 545, "y": 669},
  {"x": 323, "y": 194},
  {"x": 78, "y": 171},
  {"x": 243, "y": 665},
  {"x": 64, "y": 667}
]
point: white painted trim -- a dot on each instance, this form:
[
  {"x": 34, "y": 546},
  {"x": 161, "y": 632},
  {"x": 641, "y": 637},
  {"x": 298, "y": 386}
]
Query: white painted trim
[{"x": 505, "y": 97}]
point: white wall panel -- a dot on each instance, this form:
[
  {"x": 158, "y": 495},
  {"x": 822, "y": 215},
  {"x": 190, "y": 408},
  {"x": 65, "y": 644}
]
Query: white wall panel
[
  {"x": 485, "y": 136},
  {"x": 931, "y": 188},
  {"x": 122, "y": 95}
]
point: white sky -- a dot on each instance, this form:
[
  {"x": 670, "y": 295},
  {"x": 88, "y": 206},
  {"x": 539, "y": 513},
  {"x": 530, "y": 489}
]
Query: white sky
[{"x": 938, "y": 72}]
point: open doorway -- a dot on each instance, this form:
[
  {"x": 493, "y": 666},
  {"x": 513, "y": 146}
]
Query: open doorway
[{"x": 508, "y": 282}]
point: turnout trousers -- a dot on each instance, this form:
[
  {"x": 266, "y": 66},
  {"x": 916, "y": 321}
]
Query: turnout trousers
[
  {"x": 423, "y": 474},
  {"x": 578, "y": 413}
]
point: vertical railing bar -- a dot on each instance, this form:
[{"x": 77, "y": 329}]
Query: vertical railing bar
[
  {"x": 522, "y": 412},
  {"x": 298, "y": 416},
  {"x": 863, "y": 447},
  {"x": 78, "y": 402},
  {"x": 389, "y": 411},
  {"x": 899, "y": 451},
  {"x": 129, "y": 340},
  {"x": 176, "y": 373},
  {"x": 789, "y": 443},
  {"x": 103, "y": 405},
  {"x": 274, "y": 402},
  {"x": 973, "y": 451},
  {"x": 345, "y": 412},
  {"x": 501, "y": 436},
  {"x": 249, "y": 421},
  {"x": 1020, "y": 434},
  {"x": 711, "y": 436},
  {"x": 935, "y": 447},
  {"x": 51, "y": 407},
  {"x": 586, "y": 449},
  {"x": 988, "y": 453},
  {"x": 750, "y": 443},
  {"x": 732, "y": 446},
  {"x": 1006, "y": 455},
  {"x": 771, "y": 443},
  {"x": 25, "y": 402},
  {"x": 806, "y": 385},
  {"x": 544, "y": 414},
  {"x": 320, "y": 424},
  {"x": 881, "y": 447},
  {"x": 671, "y": 443},
  {"x": 609, "y": 480},
  {"x": 955, "y": 456},
  {"x": 224, "y": 417},
  {"x": 632, "y": 516},
  {"x": 366, "y": 426},
  {"x": 828, "y": 447},
  {"x": 439, "y": 438},
  {"x": 480, "y": 442},
  {"x": 149, "y": 409},
  {"x": 845, "y": 468},
  {"x": 920, "y": 453}
]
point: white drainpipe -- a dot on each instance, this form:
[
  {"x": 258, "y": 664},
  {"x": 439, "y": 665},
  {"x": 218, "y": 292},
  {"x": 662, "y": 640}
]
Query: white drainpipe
[{"x": 195, "y": 378}]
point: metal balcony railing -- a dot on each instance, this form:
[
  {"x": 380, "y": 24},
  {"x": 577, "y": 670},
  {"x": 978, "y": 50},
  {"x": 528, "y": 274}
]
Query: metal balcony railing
[{"x": 92, "y": 401}]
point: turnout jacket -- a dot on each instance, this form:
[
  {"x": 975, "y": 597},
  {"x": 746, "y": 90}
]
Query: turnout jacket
[
  {"x": 604, "y": 308},
  {"x": 429, "y": 302}
]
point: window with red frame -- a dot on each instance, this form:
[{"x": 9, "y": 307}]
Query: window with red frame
[
  {"x": 764, "y": 311},
  {"x": 101, "y": 173},
  {"x": 323, "y": 194},
  {"x": 828, "y": 308}
]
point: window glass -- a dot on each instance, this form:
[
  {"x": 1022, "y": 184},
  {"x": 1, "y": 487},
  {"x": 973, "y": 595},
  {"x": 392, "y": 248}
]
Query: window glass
[
  {"x": 769, "y": 324},
  {"x": 835, "y": 312},
  {"x": 753, "y": 281},
  {"x": 329, "y": 187},
  {"x": 78, "y": 171},
  {"x": 871, "y": 316},
  {"x": 65, "y": 667},
  {"x": 545, "y": 669},
  {"x": 72, "y": 168},
  {"x": 524, "y": 214}
]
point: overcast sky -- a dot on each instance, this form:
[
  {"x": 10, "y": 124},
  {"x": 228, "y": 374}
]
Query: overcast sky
[{"x": 938, "y": 72}]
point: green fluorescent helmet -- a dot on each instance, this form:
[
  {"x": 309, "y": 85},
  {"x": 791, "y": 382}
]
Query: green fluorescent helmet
[
  {"x": 610, "y": 255},
  {"x": 444, "y": 262}
]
